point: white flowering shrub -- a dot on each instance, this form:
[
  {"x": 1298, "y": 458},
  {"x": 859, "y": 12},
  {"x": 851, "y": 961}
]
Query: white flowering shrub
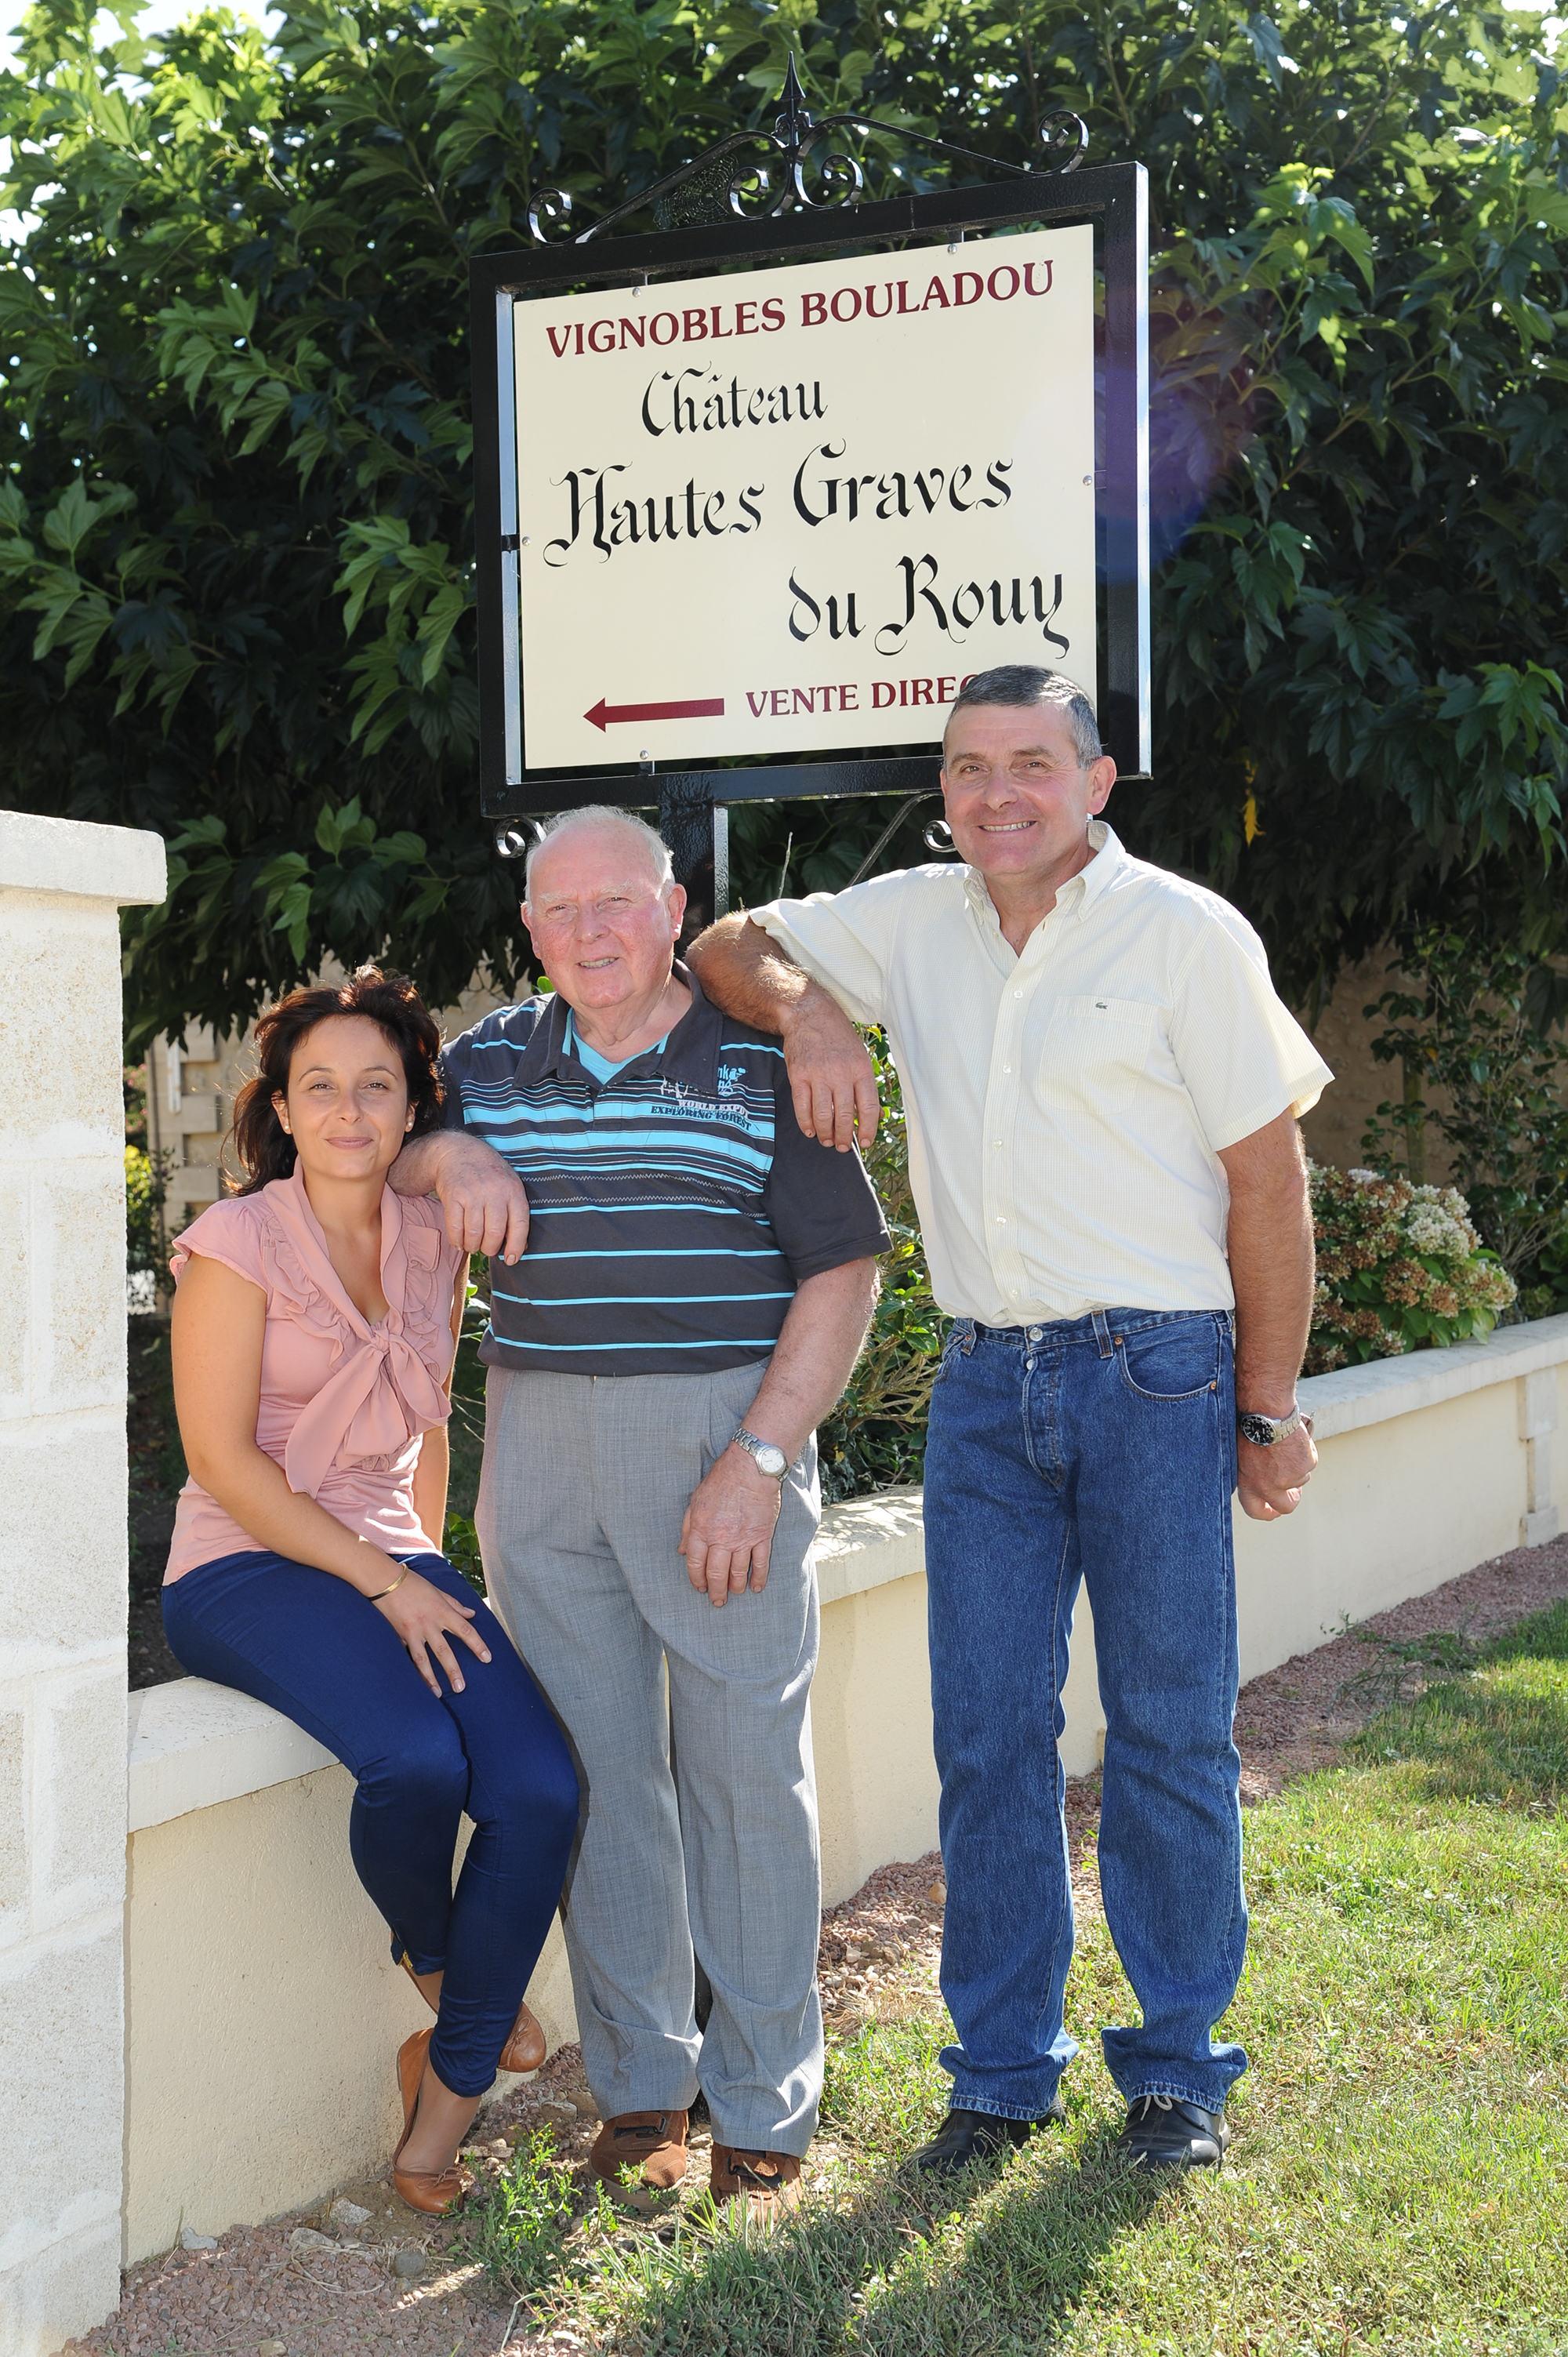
[{"x": 1398, "y": 1269}]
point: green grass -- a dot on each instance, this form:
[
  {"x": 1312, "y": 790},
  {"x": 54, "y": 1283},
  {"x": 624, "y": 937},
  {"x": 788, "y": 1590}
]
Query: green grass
[{"x": 1399, "y": 2179}]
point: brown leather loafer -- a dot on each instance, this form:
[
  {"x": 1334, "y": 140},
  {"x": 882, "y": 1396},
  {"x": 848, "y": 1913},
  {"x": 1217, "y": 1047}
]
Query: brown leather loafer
[
  {"x": 524, "y": 2049},
  {"x": 411, "y": 2059},
  {"x": 769, "y": 2182},
  {"x": 653, "y": 2143},
  {"x": 434, "y": 2191}
]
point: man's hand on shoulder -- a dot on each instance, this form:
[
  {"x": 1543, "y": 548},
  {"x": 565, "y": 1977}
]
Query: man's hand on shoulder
[
  {"x": 485, "y": 1201},
  {"x": 1269, "y": 1482},
  {"x": 832, "y": 1077}
]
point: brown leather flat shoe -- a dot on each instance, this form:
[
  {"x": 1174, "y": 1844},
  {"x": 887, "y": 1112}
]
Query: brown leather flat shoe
[
  {"x": 432, "y": 2190},
  {"x": 410, "y": 2060},
  {"x": 768, "y": 2182},
  {"x": 525, "y": 2047},
  {"x": 653, "y": 2143}
]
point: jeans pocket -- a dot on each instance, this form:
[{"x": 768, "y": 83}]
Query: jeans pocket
[
  {"x": 960, "y": 1331},
  {"x": 1180, "y": 1361}
]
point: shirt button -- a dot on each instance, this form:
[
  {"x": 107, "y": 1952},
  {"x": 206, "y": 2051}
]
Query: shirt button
[
  {"x": 1006, "y": 1068},
  {"x": 1018, "y": 993}
]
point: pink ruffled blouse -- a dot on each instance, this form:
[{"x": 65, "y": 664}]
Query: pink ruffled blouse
[{"x": 343, "y": 1403}]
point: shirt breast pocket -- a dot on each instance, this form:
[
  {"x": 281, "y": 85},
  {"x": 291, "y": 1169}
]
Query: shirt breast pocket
[{"x": 1097, "y": 1050}]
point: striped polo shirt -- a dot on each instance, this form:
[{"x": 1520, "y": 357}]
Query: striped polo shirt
[{"x": 673, "y": 1208}]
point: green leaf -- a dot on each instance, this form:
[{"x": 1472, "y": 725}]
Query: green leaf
[{"x": 76, "y": 514}]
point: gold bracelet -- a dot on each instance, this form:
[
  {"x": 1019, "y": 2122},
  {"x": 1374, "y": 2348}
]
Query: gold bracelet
[{"x": 392, "y": 1590}]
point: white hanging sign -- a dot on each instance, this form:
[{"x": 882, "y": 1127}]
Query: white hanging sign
[{"x": 790, "y": 510}]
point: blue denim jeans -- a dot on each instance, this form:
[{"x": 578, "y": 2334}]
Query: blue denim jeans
[{"x": 1099, "y": 1449}]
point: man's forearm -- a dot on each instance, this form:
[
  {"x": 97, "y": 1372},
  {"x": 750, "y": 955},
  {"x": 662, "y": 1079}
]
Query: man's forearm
[
  {"x": 1273, "y": 1312},
  {"x": 743, "y": 970},
  {"x": 814, "y": 1355},
  {"x": 482, "y": 1196},
  {"x": 1269, "y": 1239},
  {"x": 418, "y": 1168},
  {"x": 726, "y": 1534}
]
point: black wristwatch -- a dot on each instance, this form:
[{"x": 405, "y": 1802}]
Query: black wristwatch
[{"x": 1262, "y": 1431}]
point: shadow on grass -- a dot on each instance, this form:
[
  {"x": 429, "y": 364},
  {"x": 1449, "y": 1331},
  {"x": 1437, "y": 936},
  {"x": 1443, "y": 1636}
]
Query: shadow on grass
[
  {"x": 1499, "y": 1734},
  {"x": 997, "y": 2265}
]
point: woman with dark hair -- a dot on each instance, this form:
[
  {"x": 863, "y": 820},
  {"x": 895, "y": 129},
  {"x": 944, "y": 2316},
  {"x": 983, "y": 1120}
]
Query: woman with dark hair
[{"x": 315, "y": 1326}]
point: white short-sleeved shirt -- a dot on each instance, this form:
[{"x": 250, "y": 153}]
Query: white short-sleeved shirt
[{"x": 1066, "y": 1106}]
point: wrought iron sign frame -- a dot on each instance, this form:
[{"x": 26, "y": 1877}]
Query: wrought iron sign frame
[{"x": 790, "y": 225}]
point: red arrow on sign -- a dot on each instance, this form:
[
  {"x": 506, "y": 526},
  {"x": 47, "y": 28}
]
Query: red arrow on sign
[{"x": 702, "y": 707}]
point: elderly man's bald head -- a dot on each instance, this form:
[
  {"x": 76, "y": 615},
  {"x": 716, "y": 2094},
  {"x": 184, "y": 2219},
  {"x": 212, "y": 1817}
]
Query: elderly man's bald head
[
  {"x": 653, "y": 849},
  {"x": 605, "y": 913}
]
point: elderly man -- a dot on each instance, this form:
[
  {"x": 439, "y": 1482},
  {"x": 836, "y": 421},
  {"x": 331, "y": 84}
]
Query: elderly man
[
  {"x": 696, "y": 1281},
  {"x": 1102, "y": 1090}
]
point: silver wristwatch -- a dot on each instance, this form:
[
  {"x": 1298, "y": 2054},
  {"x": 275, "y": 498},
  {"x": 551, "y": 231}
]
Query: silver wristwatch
[
  {"x": 764, "y": 1455},
  {"x": 1262, "y": 1431}
]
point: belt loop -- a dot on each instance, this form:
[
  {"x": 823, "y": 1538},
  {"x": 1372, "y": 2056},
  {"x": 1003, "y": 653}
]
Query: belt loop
[{"x": 1102, "y": 1334}]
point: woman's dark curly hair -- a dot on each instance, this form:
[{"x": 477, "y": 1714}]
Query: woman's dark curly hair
[{"x": 262, "y": 1148}]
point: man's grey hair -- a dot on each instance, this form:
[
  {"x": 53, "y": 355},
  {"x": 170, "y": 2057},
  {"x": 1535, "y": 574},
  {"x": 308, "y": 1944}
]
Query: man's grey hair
[
  {"x": 603, "y": 815},
  {"x": 1028, "y": 684}
]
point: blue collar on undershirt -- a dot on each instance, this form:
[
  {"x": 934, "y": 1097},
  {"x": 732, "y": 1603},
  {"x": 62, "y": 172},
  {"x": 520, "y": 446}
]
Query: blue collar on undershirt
[{"x": 601, "y": 1066}]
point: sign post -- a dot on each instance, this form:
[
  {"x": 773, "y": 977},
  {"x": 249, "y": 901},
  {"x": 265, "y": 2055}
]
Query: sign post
[{"x": 766, "y": 490}]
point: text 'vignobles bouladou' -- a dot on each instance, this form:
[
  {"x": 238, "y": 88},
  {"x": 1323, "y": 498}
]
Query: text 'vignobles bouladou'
[{"x": 789, "y": 510}]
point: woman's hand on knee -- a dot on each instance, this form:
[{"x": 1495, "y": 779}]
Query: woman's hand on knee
[{"x": 424, "y": 1616}]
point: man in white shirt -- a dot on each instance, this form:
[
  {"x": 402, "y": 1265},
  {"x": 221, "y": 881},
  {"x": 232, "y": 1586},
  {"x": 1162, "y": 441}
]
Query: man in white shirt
[{"x": 1102, "y": 1090}]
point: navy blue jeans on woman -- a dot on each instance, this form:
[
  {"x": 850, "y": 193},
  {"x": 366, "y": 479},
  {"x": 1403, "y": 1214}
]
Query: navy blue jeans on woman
[
  {"x": 315, "y": 1650},
  {"x": 1099, "y": 1449}
]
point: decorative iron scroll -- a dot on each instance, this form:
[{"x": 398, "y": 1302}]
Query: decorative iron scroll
[{"x": 748, "y": 187}]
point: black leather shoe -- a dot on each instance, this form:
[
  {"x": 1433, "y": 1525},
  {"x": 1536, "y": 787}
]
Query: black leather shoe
[
  {"x": 967, "y": 2138},
  {"x": 1163, "y": 2134}
]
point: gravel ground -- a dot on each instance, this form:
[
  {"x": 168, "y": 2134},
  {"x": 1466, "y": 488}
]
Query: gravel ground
[{"x": 321, "y": 2282}]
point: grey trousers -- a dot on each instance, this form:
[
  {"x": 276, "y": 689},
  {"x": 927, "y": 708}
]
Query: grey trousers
[{"x": 585, "y": 1482}]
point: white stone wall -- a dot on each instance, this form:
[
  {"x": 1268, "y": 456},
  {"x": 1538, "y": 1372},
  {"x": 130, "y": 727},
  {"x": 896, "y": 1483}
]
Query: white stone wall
[{"x": 62, "y": 1569}]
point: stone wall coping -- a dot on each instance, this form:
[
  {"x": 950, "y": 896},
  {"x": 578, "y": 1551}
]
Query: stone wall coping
[
  {"x": 1353, "y": 1397},
  {"x": 123, "y": 863},
  {"x": 193, "y": 1745},
  {"x": 864, "y": 1541}
]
